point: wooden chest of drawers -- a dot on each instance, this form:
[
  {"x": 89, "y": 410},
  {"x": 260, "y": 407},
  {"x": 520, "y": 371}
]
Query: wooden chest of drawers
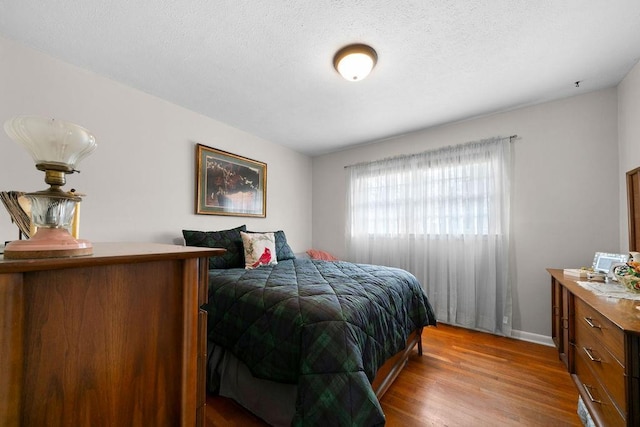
[
  {"x": 112, "y": 339},
  {"x": 599, "y": 340}
]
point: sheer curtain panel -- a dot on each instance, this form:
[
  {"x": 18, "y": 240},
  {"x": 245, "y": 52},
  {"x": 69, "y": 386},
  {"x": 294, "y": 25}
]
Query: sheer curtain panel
[{"x": 443, "y": 215}]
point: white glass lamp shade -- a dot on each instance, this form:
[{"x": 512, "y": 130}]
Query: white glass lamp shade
[
  {"x": 51, "y": 141},
  {"x": 355, "y": 62}
]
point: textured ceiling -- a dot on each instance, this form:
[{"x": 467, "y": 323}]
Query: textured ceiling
[{"x": 266, "y": 66}]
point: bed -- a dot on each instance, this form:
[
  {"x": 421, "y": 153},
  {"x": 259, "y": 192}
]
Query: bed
[{"x": 311, "y": 342}]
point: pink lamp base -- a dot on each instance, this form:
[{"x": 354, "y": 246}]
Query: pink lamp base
[{"x": 48, "y": 243}]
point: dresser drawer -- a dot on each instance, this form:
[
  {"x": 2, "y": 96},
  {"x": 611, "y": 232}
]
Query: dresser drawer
[
  {"x": 597, "y": 398},
  {"x": 602, "y": 329},
  {"x": 604, "y": 366}
]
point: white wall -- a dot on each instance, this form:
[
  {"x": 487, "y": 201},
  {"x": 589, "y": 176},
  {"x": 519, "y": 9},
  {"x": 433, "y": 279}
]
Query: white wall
[
  {"x": 565, "y": 204},
  {"x": 140, "y": 180},
  {"x": 629, "y": 141}
]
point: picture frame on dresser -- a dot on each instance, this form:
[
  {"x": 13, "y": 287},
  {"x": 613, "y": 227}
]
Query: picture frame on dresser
[{"x": 229, "y": 184}]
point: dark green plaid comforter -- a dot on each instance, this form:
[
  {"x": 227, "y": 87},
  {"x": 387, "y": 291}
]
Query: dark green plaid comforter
[{"x": 327, "y": 326}]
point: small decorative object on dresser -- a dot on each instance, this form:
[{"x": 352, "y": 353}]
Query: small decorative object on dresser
[
  {"x": 16, "y": 204},
  {"x": 580, "y": 273},
  {"x": 629, "y": 275},
  {"x": 227, "y": 184}
]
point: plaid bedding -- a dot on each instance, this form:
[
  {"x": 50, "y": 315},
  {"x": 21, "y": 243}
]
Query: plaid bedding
[{"x": 327, "y": 326}]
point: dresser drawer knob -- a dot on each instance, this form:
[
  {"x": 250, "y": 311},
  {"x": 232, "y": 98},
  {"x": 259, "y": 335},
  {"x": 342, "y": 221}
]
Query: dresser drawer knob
[
  {"x": 589, "y": 352},
  {"x": 587, "y": 389},
  {"x": 589, "y": 321}
]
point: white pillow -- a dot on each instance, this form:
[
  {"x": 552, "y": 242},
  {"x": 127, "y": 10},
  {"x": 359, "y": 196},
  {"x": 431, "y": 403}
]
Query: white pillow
[{"x": 259, "y": 249}]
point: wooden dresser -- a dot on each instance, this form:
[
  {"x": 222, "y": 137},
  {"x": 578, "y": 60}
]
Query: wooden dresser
[
  {"x": 112, "y": 339},
  {"x": 598, "y": 338}
]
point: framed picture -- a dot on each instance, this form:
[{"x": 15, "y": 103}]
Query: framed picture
[{"x": 228, "y": 184}]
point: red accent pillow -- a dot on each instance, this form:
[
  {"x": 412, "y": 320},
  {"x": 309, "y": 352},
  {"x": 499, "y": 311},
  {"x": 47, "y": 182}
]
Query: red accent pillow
[{"x": 318, "y": 254}]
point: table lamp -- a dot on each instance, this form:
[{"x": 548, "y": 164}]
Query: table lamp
[{"x": 56, "y": 147}]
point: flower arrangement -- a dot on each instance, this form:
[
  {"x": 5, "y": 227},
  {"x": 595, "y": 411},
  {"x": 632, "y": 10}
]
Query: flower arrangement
[{"x": 629, "y": 275}]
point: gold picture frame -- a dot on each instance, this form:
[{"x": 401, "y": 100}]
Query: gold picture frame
[{"x": 228, "y": 184}]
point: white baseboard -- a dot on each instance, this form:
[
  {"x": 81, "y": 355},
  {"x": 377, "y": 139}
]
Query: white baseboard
[
  {"x": 535, "y": 338},
  {"x": 519, "y": 335}
]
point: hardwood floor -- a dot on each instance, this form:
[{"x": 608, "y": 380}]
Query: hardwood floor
[{"x": 464, "y": 378}]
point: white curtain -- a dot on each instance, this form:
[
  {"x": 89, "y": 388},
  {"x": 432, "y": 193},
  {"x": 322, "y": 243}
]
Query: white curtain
[{"x": 443, "y": 215}]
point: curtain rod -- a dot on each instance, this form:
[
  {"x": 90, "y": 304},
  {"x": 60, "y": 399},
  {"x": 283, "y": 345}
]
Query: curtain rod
[{"x": 511, "y": 139}]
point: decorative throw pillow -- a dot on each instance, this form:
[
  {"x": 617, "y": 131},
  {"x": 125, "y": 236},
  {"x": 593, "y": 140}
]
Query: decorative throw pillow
[
  {"x": 259, "y": 249},
  {"x": 283, "y": 250},
  {"x": 322, "y": 255},
  {"x": 227, "y": 239}
]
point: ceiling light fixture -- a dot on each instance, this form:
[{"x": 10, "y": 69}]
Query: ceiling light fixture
[{"x": 355, "y": 62}]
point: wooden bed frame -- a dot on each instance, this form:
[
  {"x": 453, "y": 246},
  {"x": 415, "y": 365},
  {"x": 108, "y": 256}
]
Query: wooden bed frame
[{"x": 391, "y": 369}]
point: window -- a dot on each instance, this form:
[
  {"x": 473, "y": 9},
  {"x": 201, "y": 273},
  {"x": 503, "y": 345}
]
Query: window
[{"x": 452, "y": 200}]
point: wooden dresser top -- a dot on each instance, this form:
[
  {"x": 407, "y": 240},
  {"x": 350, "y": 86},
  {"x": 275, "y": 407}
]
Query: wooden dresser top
[
  {"x": 110, "y": 253},
  {"x": 624, "y": 313}
]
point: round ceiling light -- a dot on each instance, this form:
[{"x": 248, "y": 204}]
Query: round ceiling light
[{"x": 355, "y": 62}]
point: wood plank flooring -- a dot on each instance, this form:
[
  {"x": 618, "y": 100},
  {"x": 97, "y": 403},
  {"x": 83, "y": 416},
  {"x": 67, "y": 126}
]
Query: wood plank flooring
[{"x": 464, "y": 378}]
